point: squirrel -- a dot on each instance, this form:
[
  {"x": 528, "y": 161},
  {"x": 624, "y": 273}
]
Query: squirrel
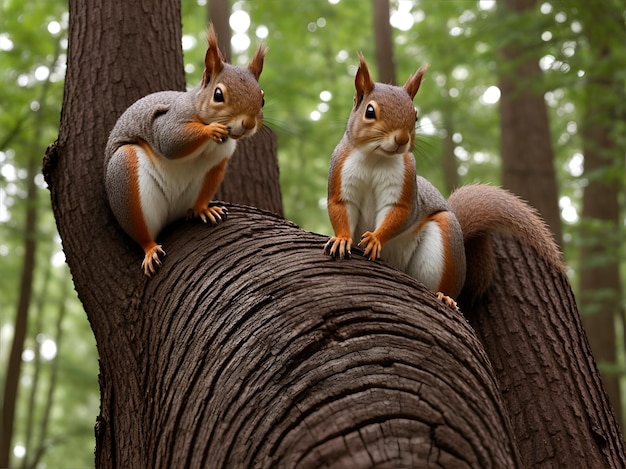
[
  {"x": 400, "y": 217},
  {"x": 167, "y": 154}
]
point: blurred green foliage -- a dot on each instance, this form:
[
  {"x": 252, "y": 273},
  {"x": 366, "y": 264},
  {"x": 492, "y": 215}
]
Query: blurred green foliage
[{"x": 308, "y": 83}]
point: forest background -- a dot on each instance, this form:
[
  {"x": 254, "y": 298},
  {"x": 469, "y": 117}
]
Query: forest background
[{"x": 308, "y": 84}]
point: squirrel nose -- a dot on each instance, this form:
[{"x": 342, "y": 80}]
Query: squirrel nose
[
  {"x": 401, "y": 138},
  {"x": 248, "y": 123}
]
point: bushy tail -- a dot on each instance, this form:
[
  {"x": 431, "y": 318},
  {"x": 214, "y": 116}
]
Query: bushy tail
[{"x": 482, "y": 210}]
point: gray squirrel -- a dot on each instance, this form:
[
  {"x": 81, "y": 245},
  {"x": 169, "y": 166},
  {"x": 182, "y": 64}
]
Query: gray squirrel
[
  {"x": 167, "y": 154},
  {"x": 375, "y": 195}
]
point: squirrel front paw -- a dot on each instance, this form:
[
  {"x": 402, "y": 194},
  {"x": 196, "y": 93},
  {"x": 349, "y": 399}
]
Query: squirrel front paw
[
  {"x": 217, "y": 132},
  {"x": 213, "y": 214},
  {"x": 339, "y": 246},
  {"x": 371, "y": 245},
  {"x": 151, "y": 257}
]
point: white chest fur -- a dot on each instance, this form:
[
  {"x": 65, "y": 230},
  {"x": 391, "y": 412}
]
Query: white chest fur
[
  {"x": 168, "y": 188},
  {"x": 370, "y": 185}
]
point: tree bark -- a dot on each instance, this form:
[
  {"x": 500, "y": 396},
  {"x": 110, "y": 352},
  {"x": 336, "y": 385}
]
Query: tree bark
[
  {"x": 531, "y": 330},
  {"x": 259, "y": 351},
  {"x": 526, "y": 147}
]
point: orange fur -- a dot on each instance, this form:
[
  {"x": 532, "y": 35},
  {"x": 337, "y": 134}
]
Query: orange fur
[
  {"x": 212, "y": 181},
  {"x": 198, "y": 133},
  {"x": 140, "y": 229},
  {"x": 449, "y": 281},
  {"x": 336, "y": 206}
]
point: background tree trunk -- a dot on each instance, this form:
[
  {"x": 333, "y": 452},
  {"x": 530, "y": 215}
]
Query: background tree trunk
[
  {"x": 450, "y": 167},
  {"x": 9, "y": 395},
  {"x": 384, "y": 42},
  {"x": 219, "y": 15},
  {"x": 527, "y": 155},
  {"x": 532, "y": 332},
  {"x": 605, "y": 102}
]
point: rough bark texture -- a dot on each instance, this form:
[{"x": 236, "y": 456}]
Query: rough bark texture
[
  {"x": 259, "y": 351},
  {"x": 531, "y": 330},
  {"x": 526, "y": 147}
]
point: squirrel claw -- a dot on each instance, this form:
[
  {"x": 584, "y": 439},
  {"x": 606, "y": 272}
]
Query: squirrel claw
[
  {"x": 447, "y": 300},
  {"x": 214, "y": 214},
  {"x": 371, "y": 245},
  {"x": 339, "y": 247},
  {"x": 152, "y": 257}
]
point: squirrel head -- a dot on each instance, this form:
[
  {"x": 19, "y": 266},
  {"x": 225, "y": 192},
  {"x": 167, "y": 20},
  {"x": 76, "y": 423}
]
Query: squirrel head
[
  {"x": 383, "y": 118},
  {"x": 231, "y": 95}
]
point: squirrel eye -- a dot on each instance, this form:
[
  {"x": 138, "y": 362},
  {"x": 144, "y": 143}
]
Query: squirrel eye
[
  {"x": 263, "y": 98},
  {"x": 218, "y": 96},
  {"x": 416, "y": 115},
  {"x": 370, "y": 113}
]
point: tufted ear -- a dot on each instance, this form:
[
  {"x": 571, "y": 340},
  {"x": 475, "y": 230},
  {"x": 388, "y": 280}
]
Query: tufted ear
[
  {"x": 413, "y": 83},
  {"x": 256, "y": 64},
  {"x": 363, "y": 83},
  {"x": 213, "y": 60}
]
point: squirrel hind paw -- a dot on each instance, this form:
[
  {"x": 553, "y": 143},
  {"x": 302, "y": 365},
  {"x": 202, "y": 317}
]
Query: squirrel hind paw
[
  {"x": 447, "y": 300},
  {"x": 151, "y": 257}
]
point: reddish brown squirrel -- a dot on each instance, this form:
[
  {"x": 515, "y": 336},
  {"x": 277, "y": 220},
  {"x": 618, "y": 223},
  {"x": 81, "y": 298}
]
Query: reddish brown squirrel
[
  {"x": 375, "y": 195},
  {"x": 167, "y": 154}
]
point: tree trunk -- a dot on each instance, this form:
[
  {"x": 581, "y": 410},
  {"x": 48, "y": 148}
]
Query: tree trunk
[
  {"x": 450, "y": 167},
  {"x": 259, "y": 351},
  {"x": 384, "y": 42},
  {"x": 527, "y": 155},
  {"x": 531, "y": 330},
  {"x": 219, "y": 15},
  {"x": 600, "y": 283},
  {"x": 10, "y": 391}
]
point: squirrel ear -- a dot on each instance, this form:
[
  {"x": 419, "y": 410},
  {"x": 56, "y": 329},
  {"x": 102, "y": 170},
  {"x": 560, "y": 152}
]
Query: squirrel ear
[
  {"x": 413, "y": 83},
  {"x": 363, "y": 83},
  {"x": 213, "y": 60},
  {"x": 256, "y": 64}
]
